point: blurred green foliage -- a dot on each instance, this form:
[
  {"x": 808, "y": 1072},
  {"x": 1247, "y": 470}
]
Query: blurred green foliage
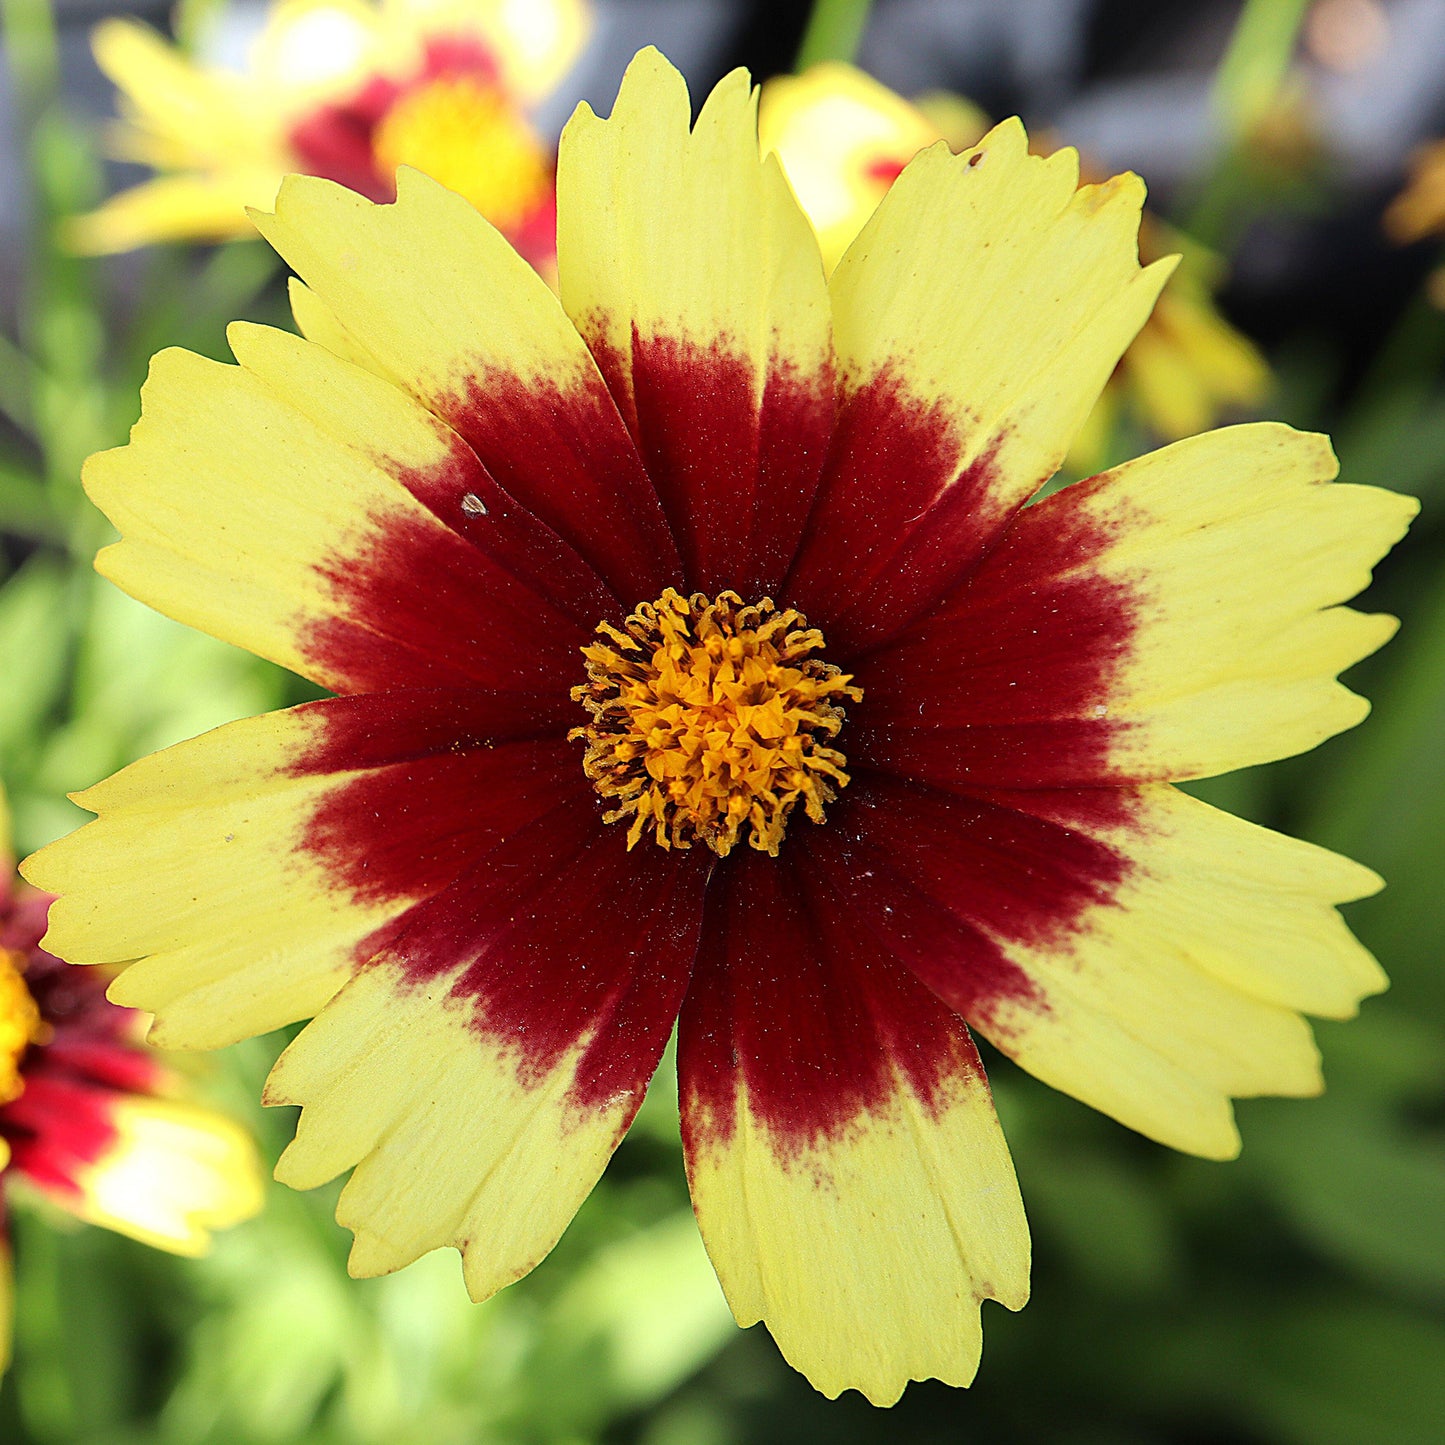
[{"x": 1296, "y": 1297}]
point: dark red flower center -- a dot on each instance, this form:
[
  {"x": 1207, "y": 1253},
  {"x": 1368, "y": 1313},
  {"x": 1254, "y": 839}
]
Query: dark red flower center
[{"x": 709, "y": 717}]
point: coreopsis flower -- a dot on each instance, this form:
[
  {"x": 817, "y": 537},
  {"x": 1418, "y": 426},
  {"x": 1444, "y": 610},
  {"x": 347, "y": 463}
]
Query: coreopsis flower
[
  {"x": 843, "y": 138},
  {"x": 89, "y": 1117},
  {"x": 698, "y": 661},
  {"x": 349, "y": 90}
]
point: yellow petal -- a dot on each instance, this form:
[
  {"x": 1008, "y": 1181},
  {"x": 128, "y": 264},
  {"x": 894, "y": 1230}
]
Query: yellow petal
[
  {"x": 177, "y": 114},
  {"x": 250, "y": 870},
  {"x": 536, "y": 41},
  {"x": 451, "y": 1146},
  {"x": 990, "y": 285},
  {"x": 172, "y": 208},
  {"x": 1180, "y": 990},
  {"x": 196, "y": 867},
  {"x": 868, "y": 1257},
  {"x": 1237, "y": 548},
  {"x": 173, "y": 1173},
  {"x": 304, "y": 509},
  {"x": 479, "y": 1073},
  {"x": 438, "y": 298},
  {"x": 1188, "y": 365},
  {"x": 1173, "y": 618},
  {"x": 317, "y": 50},
  {"x": 849, "y": 1174},
  {"x": 976, "y": 319},
  {"x": 842, "y": 138},
  {"x": 685, "y": 232},
  {"x": 1419, "y": 209},
  {"x": 317, "y": 322},
  {"x": 426, "y": 284},
  {"x": 686, "y": 264}
]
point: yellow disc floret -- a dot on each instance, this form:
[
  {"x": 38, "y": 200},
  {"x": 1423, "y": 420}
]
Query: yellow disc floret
[
  {"x": 471, "y": 137},
  {"x": 709, "y": 716},
  {"x": 20, "y": 1024}
]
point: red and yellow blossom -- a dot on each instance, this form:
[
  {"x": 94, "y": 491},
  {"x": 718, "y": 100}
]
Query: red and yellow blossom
[
  {"x": 843, "y": 138},
  {"x": 88, "y": 1117},
  {"x": 349, "y": 90},
  {"x": 698, "y": 661}
]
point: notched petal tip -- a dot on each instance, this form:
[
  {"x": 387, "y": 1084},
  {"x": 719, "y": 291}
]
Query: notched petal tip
[
  {"x": 297, "y": 199},
  {"x": 1009, "y": 135},
  {"x": 412, "y": 185},
  {"x": 370, "y": 1257},
  {"x": 1221, "y": 1149},
  {"x": 650, "y": 83},
  {"x": 1158, "y": 273}
]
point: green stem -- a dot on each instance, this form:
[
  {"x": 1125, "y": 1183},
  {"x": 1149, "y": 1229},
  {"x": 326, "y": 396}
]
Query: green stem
[
  {"x": 1256, "y": 63},
  {"x": 834, "y": 31},
  {"x": 45, "y": 1392},
  {"x": 33, "y": 50},
  {"x": 17, "y": 384},
  {"x": 1249, "y": 80}
]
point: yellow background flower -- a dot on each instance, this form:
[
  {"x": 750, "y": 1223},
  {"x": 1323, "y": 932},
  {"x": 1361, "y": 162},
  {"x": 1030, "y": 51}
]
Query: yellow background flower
[
  {"x": 90, "y": 1119},
  {"x": 346, "y": 89}
]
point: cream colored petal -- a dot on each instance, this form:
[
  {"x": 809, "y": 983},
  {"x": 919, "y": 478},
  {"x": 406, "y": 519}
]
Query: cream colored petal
[
  {"x": 426, "y": 285},
  {"x": 196, "y": 867},
  {"x": 174, "y": 1173},
  {"x": 991, "y": 285},
  {"x": 1182, "y": 989},
  {"x": 478, "y": 1074},
  {"x": 868, "y": 1256},
  {"x": 441, "y": 302},
  {"x": 308, "y": 511},
  {"x": 191, "y": 207},
  {"x": 317, "y": 322},
  {"x": 177, "y": 115},
  {"x": 849, "y": 1175},
  {"x": 669, "y": 230},
  {"x": 449, "y": 1143},
  {"x": 1238, "y": 549},
  {"x": 686, "y": 264}
]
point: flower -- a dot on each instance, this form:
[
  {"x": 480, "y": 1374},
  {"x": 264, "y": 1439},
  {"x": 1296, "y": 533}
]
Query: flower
[
  {"x": 87, "y": 1117},
  {"x": 346, "y": 89},
  {"x": 698, "y": 660},
  {"x": 843, "y": 137}
]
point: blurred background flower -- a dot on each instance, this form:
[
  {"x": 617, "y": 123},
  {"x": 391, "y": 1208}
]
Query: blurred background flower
[
  {"x": 1296, "y": 1297},
  {"x": 345, "y": 89},
  {"x": 90, "y": 1119}
]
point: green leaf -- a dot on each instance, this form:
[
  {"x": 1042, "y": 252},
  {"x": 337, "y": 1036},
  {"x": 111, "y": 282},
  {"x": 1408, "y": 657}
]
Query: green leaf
[
  {"x": 635, "y": 1321},
  {"x": 34, "y": 652},
  {"x": 1360, "y": 1187},
  {"x": 1345, "y": 1373},
  {"x": 1108, "y": 1219}
]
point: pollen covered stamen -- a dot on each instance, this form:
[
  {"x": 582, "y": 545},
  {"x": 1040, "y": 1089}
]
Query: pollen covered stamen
[{"x": 709, "y": 716}]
